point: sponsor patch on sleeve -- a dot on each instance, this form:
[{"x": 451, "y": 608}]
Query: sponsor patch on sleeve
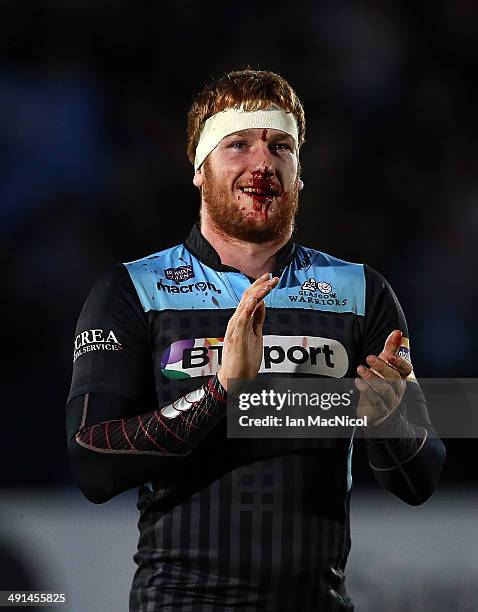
[
  {"x": 95, "y": 340},
  {"x": 404, "y": 351}
]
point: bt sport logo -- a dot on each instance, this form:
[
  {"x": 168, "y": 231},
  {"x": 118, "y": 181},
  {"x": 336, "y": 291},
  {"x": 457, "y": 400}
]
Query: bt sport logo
[{"x": 284, "y": 354}]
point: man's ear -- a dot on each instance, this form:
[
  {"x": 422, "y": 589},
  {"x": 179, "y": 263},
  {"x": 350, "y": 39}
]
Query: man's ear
[
  {"x": 300, "y": 184},
  {"x": 198, "y": 178}
]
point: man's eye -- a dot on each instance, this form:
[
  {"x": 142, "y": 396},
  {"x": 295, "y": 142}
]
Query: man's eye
[
  {"x": 283, "y": 146},
  {"x": 237, "y": 145}
]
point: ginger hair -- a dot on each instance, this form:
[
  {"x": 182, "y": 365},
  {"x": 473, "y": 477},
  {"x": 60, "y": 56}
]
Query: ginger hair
[{"x": 253, "y": 89}]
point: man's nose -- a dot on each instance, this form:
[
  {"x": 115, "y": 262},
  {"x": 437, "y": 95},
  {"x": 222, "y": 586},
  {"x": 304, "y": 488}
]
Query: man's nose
[{"x": 262, "y": 159}]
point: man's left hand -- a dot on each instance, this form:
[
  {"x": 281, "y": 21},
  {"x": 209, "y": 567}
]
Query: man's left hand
[{"x": 382, "y": 384}]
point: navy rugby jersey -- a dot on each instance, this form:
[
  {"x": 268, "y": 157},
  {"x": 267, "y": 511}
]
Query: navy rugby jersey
[{"x": 249, "y": 524}]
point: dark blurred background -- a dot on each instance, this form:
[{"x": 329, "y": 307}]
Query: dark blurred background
[{"x": 93, "y": 103}]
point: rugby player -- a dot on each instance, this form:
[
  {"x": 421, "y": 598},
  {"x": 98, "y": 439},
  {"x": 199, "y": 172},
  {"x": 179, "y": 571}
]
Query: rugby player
[{"x": 241, "y": 524}]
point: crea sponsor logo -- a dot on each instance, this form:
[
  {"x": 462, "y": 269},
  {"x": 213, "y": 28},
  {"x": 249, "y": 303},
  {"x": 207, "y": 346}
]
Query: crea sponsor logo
[
  {"x": 281, "y": 354},
  {"x": 95, "y": 340},
  {"x": 191, "y": 288}
]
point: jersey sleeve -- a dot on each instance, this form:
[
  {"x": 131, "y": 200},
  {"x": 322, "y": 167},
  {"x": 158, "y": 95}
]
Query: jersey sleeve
[
  {"x": 383, "y": 314},
  {"x": 405, "y": 453},
  {"x": 111, "y": 452},
  {"x": 111, "y": 349},
  {"x": 118, "y": 436}
]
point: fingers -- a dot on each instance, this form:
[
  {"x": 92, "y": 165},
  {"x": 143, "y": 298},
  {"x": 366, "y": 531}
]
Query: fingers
[
  {"x": 260, "y": 280},
  {"x": 251, "y": 298},
  {"x": 370, "y": 403},
  {"x": 390, "y": 354},
  {"x": 392, "y": 343},
  {"x": 385, "y": 371},
  {"x": 258, "y": 318},
  {"x": 370, "y": 394},
  {"x": 244, "y": 317},
  {"x": 403, "y": 366},
  {"x": 259, "y": 288},
  {"x": 378, "y": 386},
  {"x": 256, "y": 292}
]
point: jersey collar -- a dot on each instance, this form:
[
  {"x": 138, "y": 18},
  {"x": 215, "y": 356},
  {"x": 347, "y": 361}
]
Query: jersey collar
[{"x": 205, "y": 252}]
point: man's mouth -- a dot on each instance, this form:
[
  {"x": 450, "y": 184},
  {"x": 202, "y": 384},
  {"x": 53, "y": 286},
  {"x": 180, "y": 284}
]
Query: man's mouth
[{"x": 259, "y": 194}]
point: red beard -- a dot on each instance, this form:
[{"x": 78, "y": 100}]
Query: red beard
[{"x": 230, "y": 220}]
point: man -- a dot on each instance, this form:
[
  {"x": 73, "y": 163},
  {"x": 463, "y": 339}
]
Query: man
[{"x": 234, "y": 524}]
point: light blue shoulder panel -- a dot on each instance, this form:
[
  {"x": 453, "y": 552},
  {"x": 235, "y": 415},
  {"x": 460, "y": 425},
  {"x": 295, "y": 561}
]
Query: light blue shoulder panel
[
  {"x": 317, "y": 281},
  {"x": 176, "y": 280}
]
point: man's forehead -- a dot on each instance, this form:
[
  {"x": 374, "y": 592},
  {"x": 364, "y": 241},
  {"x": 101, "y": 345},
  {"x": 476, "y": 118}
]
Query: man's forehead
[
  {"x": 277, "y": 121},
  {"x": 259, "y": 133}
]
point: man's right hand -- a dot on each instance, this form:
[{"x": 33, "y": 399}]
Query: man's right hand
[{"x": 243, "y": 346}]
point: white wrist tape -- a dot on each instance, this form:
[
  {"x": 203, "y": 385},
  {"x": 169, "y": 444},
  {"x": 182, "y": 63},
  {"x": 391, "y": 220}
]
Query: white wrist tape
[{"x": 235, "y": 119}]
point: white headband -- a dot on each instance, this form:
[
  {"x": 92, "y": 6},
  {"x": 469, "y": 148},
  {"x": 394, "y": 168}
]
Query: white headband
[{"x": 234, "y": 119}]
